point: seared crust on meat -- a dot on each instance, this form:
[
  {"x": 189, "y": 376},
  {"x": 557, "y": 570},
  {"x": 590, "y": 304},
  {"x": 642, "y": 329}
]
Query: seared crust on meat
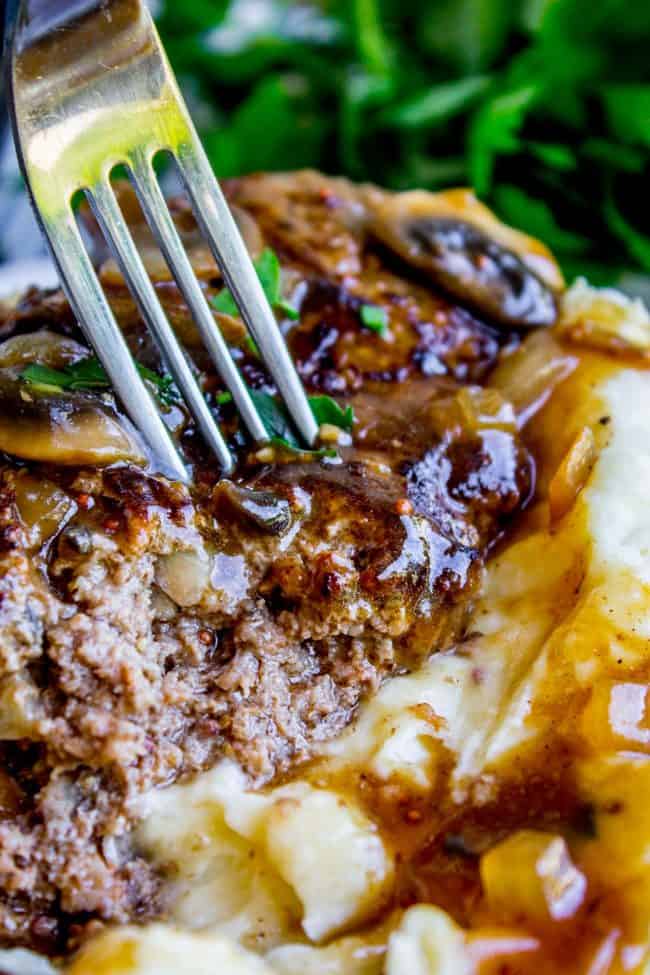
[{"x": 147, "y": 630}]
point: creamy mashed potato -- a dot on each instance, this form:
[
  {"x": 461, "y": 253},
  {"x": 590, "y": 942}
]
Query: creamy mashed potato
[
  {"x": 311, "y": 845},
  {"x": 543, "y": 707}
]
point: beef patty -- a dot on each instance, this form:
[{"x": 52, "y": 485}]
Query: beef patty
[{"x": 146, "y": 629}]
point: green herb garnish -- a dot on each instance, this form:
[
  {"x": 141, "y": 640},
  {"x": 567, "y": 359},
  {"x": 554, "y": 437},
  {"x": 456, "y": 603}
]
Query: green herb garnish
[
  {"x": 90, "y": 374},
  {"x": 270, "y": 277},
  {"x": 268, "y": 270},
  {"x": 280, "y": 428},
  {"x": 374, "y": 318},
  {"x": 327, "y": 410},
  {"x": 550, "y": 97},
  {"x": 251, "y": 345},
  {"x": 275, "y": 419},
  {"x": 321, "y": 452},
  {"x": 222, "y": 398},
  {"x": 49, "y": 380},
  {"x": 225, "y": 303}
]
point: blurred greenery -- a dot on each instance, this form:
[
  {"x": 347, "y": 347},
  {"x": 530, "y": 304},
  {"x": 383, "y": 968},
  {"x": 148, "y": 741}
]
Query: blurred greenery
[{"x": 542, "y": 105}]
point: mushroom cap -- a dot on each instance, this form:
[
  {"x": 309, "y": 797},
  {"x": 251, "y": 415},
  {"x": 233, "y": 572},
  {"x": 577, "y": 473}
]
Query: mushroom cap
[
  {"x": 68, "y": 427},
  {"x": 459, "y": 244}
]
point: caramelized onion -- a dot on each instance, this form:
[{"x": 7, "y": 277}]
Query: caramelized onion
[
  {"x": 571, "y": 475},
  {"x": 531, "y": 875},
  {"x": 528, "y": 376},
  {"x": 184, "y": 576}
]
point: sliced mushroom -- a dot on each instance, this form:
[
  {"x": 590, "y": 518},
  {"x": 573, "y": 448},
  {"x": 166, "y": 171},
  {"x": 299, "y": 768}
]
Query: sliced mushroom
[
  {"x": 37, "y": 423},
  {"x": 261, "y": 509},
  {"x": 460, "y": 245},
  {"x": 68, "y": 428},
  {"x": 45, "y": 347}
]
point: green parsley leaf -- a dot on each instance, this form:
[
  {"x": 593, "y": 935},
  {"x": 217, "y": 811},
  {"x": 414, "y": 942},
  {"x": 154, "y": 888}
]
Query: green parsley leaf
[
  {"x": 374, "y": 318},
  {"x": 327, "y": 410},
  {"x": 165, "y": 389},
  {"x": 268, "y": 270},
  {"x": 251, "y": 345},
  {"x": 495, "y": 130},
  {"x": 536, "y": 217},
  {"x": 628, "y": 111},
  {"x": 275, "y": 419},
  {"x": 225, "y": 303},
  {"x": 288, "y": 309},
  {"x": 43, "y": 376},
  {"x": 552, "y": 154},
  {"x": 267, "y": 266},
  {"x": 87, "y": 374},
  {"x": 437, "y": 103},
  {"x": 287, "y": 445},
  {"x": 222, "y": 398},
  {"x": 280, "y": 429},
  {"x": 637, "y": 243},
  {"x": 372, "y": 42},
  {"x": 90, "y": 374}
]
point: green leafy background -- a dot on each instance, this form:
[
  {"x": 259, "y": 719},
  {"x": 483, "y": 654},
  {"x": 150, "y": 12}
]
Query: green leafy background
[{"x": 542, "y": 105}]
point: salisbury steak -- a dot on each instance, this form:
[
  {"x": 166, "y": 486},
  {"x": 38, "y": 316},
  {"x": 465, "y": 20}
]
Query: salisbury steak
[{"x": 146, "y": 629}]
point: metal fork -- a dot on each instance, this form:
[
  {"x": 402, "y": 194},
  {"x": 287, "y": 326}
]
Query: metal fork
[{"x": 90, "y": 88}]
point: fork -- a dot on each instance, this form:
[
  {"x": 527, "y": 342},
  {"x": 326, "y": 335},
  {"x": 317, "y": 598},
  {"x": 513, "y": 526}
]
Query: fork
[{"x": 90, "y": 88}]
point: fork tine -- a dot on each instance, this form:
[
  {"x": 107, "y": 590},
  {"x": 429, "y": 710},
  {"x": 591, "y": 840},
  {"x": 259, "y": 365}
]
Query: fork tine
[
  {"x": 159, "y": 218},
  {"x": 113, "y": 225},
  {"x": 79, "y": 110},
  {"x": 96, "y": 319},
  {"x": 219, "y": 228}
]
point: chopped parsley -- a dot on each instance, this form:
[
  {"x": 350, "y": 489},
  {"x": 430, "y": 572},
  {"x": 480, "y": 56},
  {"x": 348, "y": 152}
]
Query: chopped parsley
[
  {"x": 549, "y": 97},
  {"x": 275, "y": 419},
  {"x": 268, "y": 270},
  {"x": 251, "y": 345},
  {"x": 225, "y": 303},
  {"x": 90, "y": 374},
  {"x": 374, "y": 318},
  {"x": 327, "y": 410},
  {"x": 222, "y": 398},
  {"x": 280, "y": 429}
]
